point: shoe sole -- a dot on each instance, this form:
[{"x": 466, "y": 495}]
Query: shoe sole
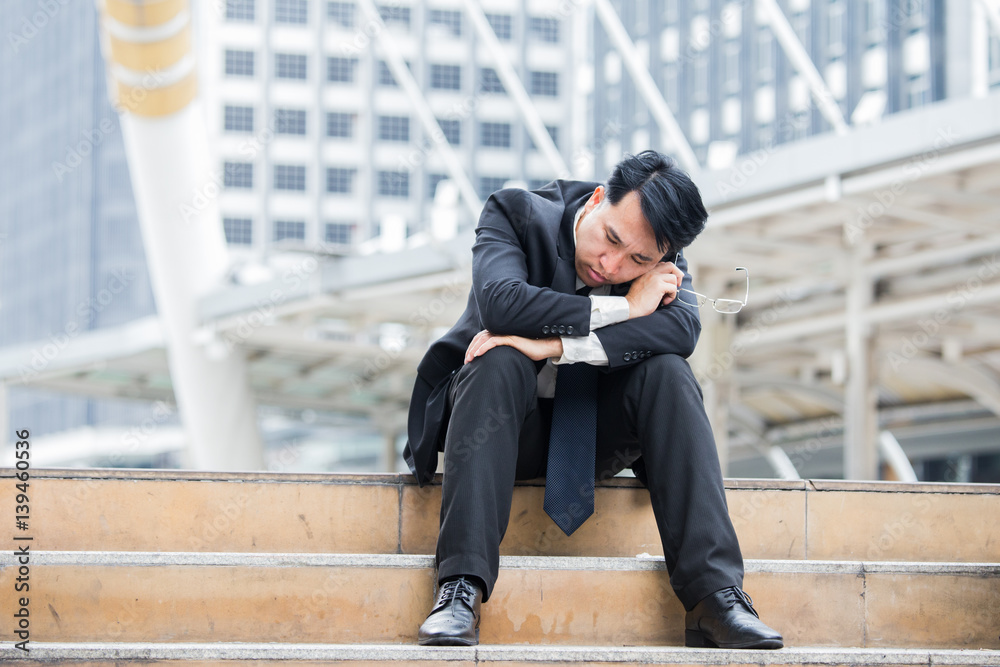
[
  {"x": 695, "y": 639},
  {"x": 449, "y": 641}
]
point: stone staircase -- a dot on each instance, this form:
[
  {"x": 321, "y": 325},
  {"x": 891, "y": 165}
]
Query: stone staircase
[{"x": 211, "y": 568}]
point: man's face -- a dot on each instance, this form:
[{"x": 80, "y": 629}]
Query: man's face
[{"x": 614, "y": 243}]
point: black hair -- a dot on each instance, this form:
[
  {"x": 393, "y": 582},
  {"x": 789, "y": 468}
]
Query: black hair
[{"x": 669, "y": 199}]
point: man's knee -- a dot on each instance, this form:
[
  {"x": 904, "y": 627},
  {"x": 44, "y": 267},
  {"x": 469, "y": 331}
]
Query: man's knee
[
  {"x": 666, "y": 366},
  {"x": 670, "y": 371},
  {"x": 502, "y": 364},
  {"x": 505, "y": 359}
]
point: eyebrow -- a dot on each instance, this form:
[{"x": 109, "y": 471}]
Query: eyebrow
[{"x": 617, "y": 239}]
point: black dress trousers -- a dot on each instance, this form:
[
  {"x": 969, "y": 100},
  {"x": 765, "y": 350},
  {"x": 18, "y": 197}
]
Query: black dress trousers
[{"x": 498, "y": 432}]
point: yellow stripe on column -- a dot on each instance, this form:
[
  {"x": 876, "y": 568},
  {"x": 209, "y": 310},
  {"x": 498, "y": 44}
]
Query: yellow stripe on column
[
  {"x": 144, "y": 13},
  {"x": 142, "y": 57},
  {"x": 157, "y": 101}
]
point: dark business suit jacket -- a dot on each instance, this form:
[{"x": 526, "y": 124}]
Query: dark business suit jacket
[{"x": 523, "y": 284}]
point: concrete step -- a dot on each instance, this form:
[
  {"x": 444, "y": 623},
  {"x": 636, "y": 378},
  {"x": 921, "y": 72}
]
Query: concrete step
[
  {"x": 357, "y": 598},
  {"x": 191, "y": 654},
  {"x": 136, "y": 510}
]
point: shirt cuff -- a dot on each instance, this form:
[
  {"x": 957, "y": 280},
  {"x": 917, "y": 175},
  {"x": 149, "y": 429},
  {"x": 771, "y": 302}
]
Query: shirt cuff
[
  {"x": 579, "y": 349},
  {"x": 605, "y": 310}
]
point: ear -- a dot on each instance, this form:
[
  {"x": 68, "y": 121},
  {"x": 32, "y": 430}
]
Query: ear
[{"x": 595, "y": 199}]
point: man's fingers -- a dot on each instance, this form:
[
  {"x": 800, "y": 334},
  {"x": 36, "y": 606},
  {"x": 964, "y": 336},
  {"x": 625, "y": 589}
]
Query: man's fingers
[{"x": 475, "y": 344}]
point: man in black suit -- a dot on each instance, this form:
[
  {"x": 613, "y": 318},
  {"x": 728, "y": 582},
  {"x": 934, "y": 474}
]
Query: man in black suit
[{"x": 569, "y": 279}]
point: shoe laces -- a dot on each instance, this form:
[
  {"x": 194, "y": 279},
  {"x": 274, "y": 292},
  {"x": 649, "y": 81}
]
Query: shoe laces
[
  {"x": 457, "y": 589},
  {"x": 735, "y": 595}
]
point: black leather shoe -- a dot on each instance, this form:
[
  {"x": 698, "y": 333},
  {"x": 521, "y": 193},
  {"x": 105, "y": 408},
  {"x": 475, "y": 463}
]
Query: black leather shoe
[
  {"x": 727, "y": 619},
  {"x": 454, "y": 620}
]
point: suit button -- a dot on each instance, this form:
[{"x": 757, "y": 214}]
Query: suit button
[
  {"x": 545, "y": 329},
  {"x": 569, "y": 330},
  {"x": 635, "y": 355},
  {"x": 562, "y": 329},
  {"x": 627, "y": 357}
]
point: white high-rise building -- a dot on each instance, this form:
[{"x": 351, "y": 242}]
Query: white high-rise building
[{"x": 318, "y": 143}]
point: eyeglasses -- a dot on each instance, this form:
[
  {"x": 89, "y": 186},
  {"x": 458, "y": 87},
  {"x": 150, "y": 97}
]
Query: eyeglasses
[{"x": 726, "y": 306}]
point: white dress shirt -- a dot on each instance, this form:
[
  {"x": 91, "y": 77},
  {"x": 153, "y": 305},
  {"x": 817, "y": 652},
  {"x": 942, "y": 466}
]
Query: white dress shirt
[{"x": 604, "y": 310}]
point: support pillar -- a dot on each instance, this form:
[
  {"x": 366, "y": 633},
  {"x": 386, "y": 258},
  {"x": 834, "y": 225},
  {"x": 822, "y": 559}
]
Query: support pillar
[
  {"x": 389, "y": 454},
  {"x": 715, "y": 365},
  {"x": 861, "y": 399},
  {"x": 153, "y": 81}
]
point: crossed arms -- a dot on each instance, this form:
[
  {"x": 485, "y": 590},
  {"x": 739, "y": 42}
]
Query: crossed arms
[{"x": 513, "y": 309}]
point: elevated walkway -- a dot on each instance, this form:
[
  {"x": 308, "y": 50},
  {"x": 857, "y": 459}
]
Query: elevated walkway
[{"x": 201, "y": 568}]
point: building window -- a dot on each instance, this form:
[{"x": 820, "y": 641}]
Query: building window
[
  {"x": 340, "y": 180},
  {"x": 919, "y": 90},
  {"x": 765, "y": 55},
  {"x": 502, "y": 25},
  {"x": 448, "y": 19},
  {"x": 238, "y": 174},
  {"x": 394, "y": 128},
  {"x": 239, "y": 10},
  {"x": 290, "y": 121},
  {"x": 291, "y": 11},
  {"x": 731, "y": 66},
  {"x": 239, "y": 119},
  {"x": 340, "y": 125},
  {"x": 699, "y": 80},
  {"x": 239, "y": 63},
  {"x": 341, "y": 13},
  {"x": 395, "y": 15},
  {"x": 394, "y": 184},
  {"x": 339, "y": 233},
  {"x": 289, "y": 177},
  {"x": 495, "y": 135},
  {"x": 432, "y": 183},
  {"x": 452, "y": 131},
  {"x": 446, "y": 77},
  {"x": 544, "y": 29},
  {"x": 553, "y": 133},
  {"x": 489, "y": 81},
  {"x": 545, "y": 83},
  {"x": 537, "y": 183},
  {"x": 289, "y": 66},
  {"x": 341, "y": 70},
  {"x": 874, "y": 20},
  {"x": 239, "y": 231},
  {"x": 385, "y": 77},
  {"x": 670, "y": 85},
  {"x": 835, "y": 24},
  {"x": 490, "y": 184},
  {"x": 289, "y": 229}
]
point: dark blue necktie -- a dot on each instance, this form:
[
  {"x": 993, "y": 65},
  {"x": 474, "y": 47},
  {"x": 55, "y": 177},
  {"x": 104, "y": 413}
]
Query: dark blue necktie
[{"x": 569, "y": 476}]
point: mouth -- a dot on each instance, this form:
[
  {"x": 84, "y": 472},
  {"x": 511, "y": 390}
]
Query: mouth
[{"x": 596, "y": 277}]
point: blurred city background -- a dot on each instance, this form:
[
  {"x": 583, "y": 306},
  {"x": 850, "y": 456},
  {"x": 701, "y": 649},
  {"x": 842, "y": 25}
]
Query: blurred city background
[{"x": 229, "y": 229}]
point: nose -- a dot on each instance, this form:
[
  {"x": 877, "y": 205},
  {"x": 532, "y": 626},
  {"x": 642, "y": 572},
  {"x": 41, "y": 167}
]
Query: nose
[{"x": 610, "y": 263}]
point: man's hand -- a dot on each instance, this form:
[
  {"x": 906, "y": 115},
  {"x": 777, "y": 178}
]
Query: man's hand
[
  {"x": 535, "y": 349},
  {"x": 656, "y": 286}
]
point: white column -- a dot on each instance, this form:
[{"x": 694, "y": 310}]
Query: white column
[
  {"x": 389, "y": 453},
  {"x": 154, "y": 84},
  {"x": 861, "y": 399}
]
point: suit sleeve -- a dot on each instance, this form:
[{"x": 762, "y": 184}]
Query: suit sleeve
[
  {"x": 671, "y": 329},
  {"x": 508, "y": 304}
]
